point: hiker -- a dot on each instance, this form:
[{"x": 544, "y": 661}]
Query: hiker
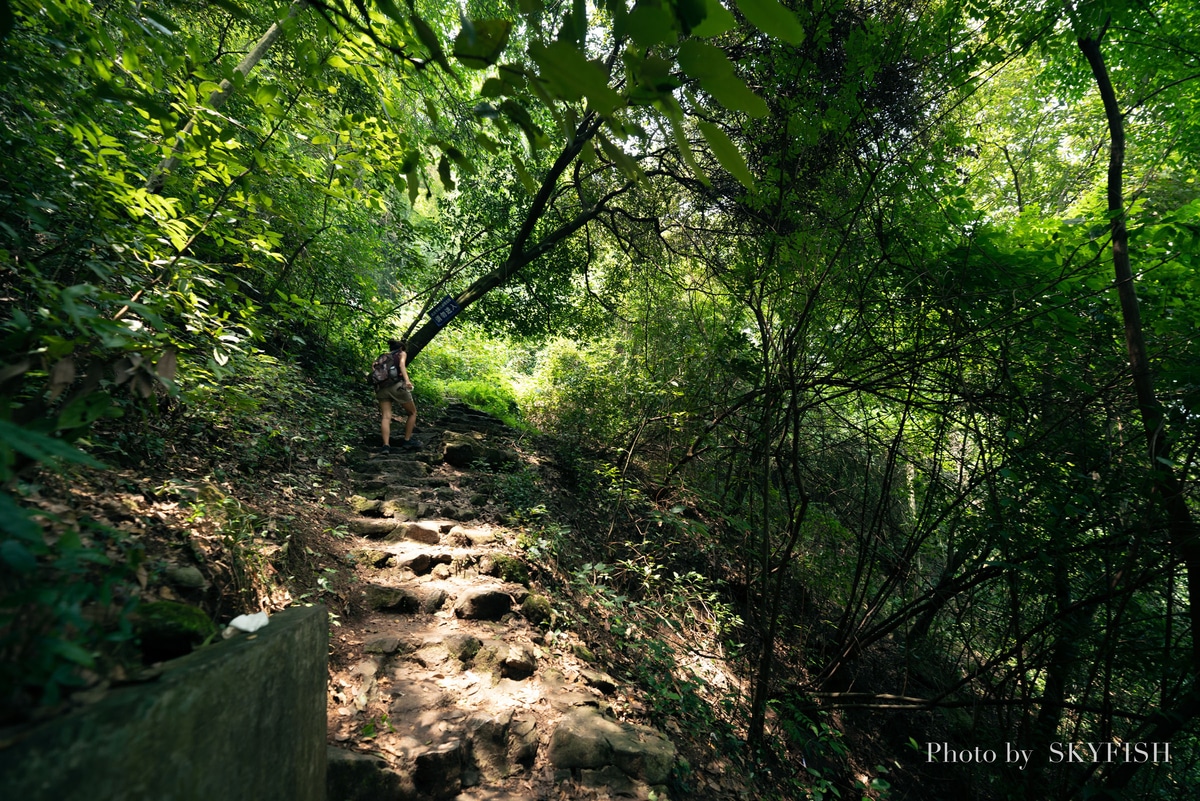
[{"x": 400, "y": 392}]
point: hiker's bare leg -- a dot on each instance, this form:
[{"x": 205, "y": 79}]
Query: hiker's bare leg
[
  {"x": 411, "y": 409},
  {"x": 385, "y": 425}
]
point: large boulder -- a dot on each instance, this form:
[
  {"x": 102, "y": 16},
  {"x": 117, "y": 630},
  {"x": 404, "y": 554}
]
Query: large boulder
[
  {"x": 483, "y": 603},
  {"x": 502, "y": 744},
  {"x": 371, "y": 526},
  {"x": 364, "y": 506},
  {"x": 352, "y": 776},
  {"x": 392, "y": 599},
  {"x": 432, "y": 600},
  {"x": 536, "y": 608},
  {"x": 581, "y": 739},
  {"x": 462, "y": 450},
  {"x": 439, "y": 770},
  {"x": 506, "y": 660},
  {"x": 400, "y": 509},
  {"x": 488, "y": 740},
  {"x": 585, "y": 738},
  {"x": 425, "y": 531},
  {"x": 368, "y": 557}
]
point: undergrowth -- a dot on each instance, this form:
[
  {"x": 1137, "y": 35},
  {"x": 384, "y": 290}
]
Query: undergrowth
[{"x": 224, "y": 478}]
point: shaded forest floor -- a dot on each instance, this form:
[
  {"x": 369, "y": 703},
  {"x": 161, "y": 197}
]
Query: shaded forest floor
[
  {"x": 264, "y": 511},
  {"x": 255, "y": 512}
]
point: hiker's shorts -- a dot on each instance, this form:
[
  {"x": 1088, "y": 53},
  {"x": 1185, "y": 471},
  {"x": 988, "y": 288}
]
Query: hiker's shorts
[{"x": 396, "y": 393}]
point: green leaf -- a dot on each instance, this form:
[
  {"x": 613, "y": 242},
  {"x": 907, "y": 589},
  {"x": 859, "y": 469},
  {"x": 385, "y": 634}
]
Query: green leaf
[
  {"x": 487, "y": 143},
  {"x": 265, "y": 95},
  {"x": 627, "y": 165},
  {"x": 6, "y": 19},
  {"x": 526, "y": 179},
  {"x": 727, "y": 153},
  {"x": 444, "y": 173},
  {"x": 690, "y": 13},
  {"x": 430, "y": 39},
  {"x": 685, "y": 149},
  {"x": 480, "y": 42},
  {"x": 717, "y": 21},
  {"x": 714, "y": 71},
  {"x": 41, "y": 447},
  {"x": 651, "y": 25},
  {"x": 517, "y": 113},
  {"x": 72, "y": 652},
  {"x": 18, "y": 557},
  {"x": 773, "y": 19},
  {"x": 15, "y": 523},
  {"x": 160, "y": 21},
  {"x": 574, "y": 77},
  {"x": 234, "y": 10},
  {"x": 655, "y": 75},
  {"x": 414, "y": 185},
  {"x": 578, "y": 21},
  {"x": 390, "y": 10},
  {"x": 83, "y": 411}
]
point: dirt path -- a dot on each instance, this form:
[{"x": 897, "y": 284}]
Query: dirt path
[{"x": 448, "y": 687}]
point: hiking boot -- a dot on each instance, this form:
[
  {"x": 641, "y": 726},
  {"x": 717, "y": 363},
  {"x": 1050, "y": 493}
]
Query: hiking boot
[
  {"x": 413, "y": 444},
  {"x": 384, "y": 450}
]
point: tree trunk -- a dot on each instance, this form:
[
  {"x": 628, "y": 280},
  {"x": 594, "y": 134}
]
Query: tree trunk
[
  {"x": 217, "y": 98},
  {"x": 520, "y": 254},
  {"x": 1166, "y": 489}
]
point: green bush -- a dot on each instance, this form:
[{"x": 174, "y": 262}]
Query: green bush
[
  {"x": 496, "y": 399},
  {"x": 578, "y": 392},
  {"x": 67, "y": 590}
]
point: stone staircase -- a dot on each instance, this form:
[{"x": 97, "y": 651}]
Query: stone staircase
[{"x": 450, "y": 686}]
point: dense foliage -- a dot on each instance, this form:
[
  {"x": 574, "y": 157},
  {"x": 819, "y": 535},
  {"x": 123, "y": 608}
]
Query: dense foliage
[{"x": 882, "y": 316}]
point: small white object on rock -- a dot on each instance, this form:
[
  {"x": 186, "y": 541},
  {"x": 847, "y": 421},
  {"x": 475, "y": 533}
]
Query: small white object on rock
[{"x": 247, "y": 623}]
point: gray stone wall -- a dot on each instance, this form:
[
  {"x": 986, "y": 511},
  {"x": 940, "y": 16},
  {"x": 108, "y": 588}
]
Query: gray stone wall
[{"x": 240, "y": 719}]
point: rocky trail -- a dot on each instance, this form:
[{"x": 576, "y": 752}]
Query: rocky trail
[{"x": 451, "y": 686}]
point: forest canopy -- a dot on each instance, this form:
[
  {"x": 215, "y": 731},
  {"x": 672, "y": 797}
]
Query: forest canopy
[{"x": 887, "y": 309}]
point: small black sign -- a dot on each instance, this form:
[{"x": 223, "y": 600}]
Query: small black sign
[{"x": 444, "y": 312}]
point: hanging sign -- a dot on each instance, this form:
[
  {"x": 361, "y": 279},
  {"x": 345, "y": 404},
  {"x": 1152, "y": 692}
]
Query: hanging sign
[{"x": 444, "y": 312}]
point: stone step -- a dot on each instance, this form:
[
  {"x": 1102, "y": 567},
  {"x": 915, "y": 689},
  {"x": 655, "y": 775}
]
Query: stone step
[
  {"x": 393, "y": 529},
  {"x": 473, "y": 597},
  {"x": 403, "y": 600},
  {"x": 408, "y": 504},
  {"x": 627, "y": 758},
  {"x": 493, "y": 794},
  {"x": 452, "y": 656},
  {"x": 448, "y": 530},
  {"x": 390, "y": 469},
  {"x": 441, "y": 565},
  {"x": 351, "y": 776}
]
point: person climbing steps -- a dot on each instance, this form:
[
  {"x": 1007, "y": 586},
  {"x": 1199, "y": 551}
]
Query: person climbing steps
[{"x": 396, "y": 388}]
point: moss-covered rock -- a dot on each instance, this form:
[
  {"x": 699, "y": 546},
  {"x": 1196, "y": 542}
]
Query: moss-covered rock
[
  {"x": 511, "y": 569},
  {"x": 168, "y": 629},
  {"x": 363, "y": 506},
  {"x": 487, "y": 660},
  {"x": 536, "y": 608},
  {"x": 463, "y": 647},
  {"x": 461, "y": 450},
  {"x": 402, "y": 509},
  {"x": 368, "y": 557}
]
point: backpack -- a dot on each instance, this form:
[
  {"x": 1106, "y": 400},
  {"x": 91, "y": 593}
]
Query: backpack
[{"x": 384, "y": 370}]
